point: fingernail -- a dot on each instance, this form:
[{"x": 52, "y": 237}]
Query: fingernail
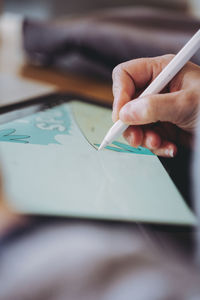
[
  {"x": 129, "y": 139},
  {"x": 169, "y": 152},
  {"x": 148, "y": 144}
]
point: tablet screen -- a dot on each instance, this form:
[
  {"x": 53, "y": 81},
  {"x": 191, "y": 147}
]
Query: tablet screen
[{"x": 52, "y": 167}]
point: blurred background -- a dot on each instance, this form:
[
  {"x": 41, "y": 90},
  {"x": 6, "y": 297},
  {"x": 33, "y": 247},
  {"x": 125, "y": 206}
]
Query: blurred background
[
  {"x": 55, "y": 8},
  {"x": 87, "y": 51}
]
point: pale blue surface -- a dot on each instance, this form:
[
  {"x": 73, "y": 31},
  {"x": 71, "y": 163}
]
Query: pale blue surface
[{"x": 69, "y": 177}]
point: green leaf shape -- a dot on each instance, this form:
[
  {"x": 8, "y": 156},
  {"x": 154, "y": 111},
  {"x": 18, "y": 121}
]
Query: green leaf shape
[
  {"x": 6, "y": 135},
  {"x": 121, "y": 147}
]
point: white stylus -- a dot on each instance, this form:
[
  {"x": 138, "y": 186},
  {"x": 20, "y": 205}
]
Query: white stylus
[{"x": 175, "y": 65}]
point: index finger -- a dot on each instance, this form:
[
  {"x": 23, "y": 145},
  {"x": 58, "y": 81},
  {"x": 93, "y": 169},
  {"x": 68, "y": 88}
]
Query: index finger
[{"x": 134, "y": 75}]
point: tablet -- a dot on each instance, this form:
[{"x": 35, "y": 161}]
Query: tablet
[{"x": 51, "y": 167}]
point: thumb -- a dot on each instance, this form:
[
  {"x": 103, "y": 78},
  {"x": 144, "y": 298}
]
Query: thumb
[{"x": 153, "y": 108}]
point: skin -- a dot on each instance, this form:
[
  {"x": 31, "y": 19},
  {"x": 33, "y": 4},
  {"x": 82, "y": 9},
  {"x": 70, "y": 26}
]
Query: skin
[{"x": 162, "y": 122}]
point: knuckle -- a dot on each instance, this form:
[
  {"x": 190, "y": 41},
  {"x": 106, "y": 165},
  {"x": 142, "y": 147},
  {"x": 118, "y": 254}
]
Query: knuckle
[
  {"x": 186, "y": 105},
  {"x": 189, "y": 99},
  {"x": 162, "y": 61},
  {"x": 168, "y": 56},
  {"x": 150, "y": 109},
  {"x": 166, "y": 59}
]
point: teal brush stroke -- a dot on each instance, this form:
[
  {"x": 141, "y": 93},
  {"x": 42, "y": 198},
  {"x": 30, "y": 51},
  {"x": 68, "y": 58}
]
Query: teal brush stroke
[
  {"x": 115, "y": 149},
  {"x": 121, "y": 147},
  {"x": 139, "y": 150},
  {"x": 6, "y": 135}
]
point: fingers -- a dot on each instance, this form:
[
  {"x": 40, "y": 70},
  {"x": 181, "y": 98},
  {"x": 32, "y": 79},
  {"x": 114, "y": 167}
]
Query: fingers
[
  {"x": 148, "y": 138},
  {"x": 161, "y": 107},
  {"x": 134, "y": 75},
  {"x": 134, "y": 136},
  {"x": 167, "y": 149},
  {"x": 123, "y": 90}
]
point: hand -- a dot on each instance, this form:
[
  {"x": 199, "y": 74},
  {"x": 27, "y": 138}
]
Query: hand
[{"x": 162, "y": 121}]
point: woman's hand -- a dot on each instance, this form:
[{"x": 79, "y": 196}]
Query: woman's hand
[{"x": 161, "y": 121}]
